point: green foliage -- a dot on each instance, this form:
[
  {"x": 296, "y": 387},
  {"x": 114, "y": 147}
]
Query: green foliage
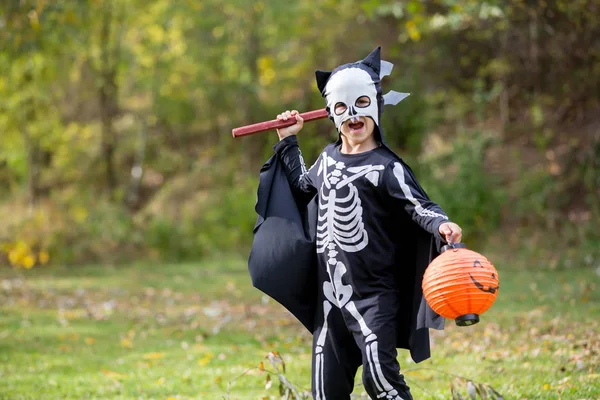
[
  {"x": 222, "y": 224},
  {"x": 459, "y": 180},
  {"x": 105, "y": 103}
]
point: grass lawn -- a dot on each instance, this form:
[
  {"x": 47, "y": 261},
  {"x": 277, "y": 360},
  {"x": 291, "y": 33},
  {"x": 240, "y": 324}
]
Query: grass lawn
[{"x": 186, "y": 331}]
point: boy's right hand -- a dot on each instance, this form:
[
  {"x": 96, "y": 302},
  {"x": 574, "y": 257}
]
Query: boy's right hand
[{"x": 290, "y": 130}]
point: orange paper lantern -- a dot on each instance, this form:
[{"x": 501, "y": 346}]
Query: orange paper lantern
[{"x": 460, "y": 284}]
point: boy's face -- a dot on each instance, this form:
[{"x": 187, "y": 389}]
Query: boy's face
[
  {"x": 351, "y": 93},
  {"x": 360, "y": 131}
]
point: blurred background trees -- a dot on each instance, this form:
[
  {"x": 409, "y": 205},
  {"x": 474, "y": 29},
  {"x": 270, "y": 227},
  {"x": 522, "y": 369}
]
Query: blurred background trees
[{"x": 116, "y": 118}]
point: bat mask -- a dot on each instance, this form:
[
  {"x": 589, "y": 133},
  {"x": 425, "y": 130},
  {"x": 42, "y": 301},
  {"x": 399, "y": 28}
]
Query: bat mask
[{"x": 354, "y": 90}]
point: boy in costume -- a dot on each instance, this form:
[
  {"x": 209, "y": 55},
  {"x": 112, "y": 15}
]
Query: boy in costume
[{"x": 344, "y": 244}]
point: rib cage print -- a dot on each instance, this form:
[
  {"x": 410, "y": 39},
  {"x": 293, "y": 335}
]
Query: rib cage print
[{"x": 340, "y": 218}]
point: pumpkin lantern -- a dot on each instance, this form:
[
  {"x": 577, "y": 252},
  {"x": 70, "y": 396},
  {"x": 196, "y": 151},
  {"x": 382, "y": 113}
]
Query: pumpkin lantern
[{"x": 460, "y": 284}]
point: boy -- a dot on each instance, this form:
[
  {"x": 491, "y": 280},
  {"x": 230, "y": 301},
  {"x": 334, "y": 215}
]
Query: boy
[{"x": 373, "y": 235}]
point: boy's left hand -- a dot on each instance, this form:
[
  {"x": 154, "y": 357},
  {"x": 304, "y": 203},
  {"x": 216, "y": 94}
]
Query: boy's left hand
[{"x": 451, "y": 232}]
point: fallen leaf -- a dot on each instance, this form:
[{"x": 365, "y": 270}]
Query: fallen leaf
[
  {"x": 206, "y": 359},
  {"x": 114, "y": 375},
  {"x": 590, "y": 376},
  {"x": 153, "y": 356}
]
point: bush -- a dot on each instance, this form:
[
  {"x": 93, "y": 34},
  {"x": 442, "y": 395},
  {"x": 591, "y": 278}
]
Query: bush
[{"x": 457, "y": 179}]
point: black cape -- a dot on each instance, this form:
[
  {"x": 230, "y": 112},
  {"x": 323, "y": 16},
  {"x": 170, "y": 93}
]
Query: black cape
[{"x": 283, "y": 260}]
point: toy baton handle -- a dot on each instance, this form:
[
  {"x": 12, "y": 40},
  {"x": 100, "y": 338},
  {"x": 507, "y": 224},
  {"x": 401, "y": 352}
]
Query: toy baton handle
[{"x": 277, "y": 124}]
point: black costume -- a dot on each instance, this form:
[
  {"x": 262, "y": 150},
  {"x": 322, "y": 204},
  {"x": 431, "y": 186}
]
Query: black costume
[{"x": 345, "y": 244}]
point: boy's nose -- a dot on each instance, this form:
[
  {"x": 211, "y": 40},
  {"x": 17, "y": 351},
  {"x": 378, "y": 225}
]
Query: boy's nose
[{"x": 352, "y": 111}]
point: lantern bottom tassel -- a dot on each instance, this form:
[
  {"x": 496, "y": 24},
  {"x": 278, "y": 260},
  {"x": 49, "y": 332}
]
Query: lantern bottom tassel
[{"x": 467, "y": 320}]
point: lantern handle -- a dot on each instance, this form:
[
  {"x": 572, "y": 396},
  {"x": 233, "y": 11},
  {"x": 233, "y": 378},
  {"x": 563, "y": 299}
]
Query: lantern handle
[{"x": 453, "y": 246}]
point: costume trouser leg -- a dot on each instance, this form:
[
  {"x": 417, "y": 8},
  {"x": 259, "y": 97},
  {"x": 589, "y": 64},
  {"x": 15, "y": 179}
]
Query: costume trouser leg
[
  {"x": 336, "y": 357},
  {"x": 381, "y": 370},
  {"x": 361, "y": 332}
]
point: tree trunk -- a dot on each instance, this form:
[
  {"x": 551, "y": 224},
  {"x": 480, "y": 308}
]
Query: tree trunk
[
  {"x": 32, "y": 169},
  {"x": 253, "y": 52},
  {"x": 108, "y": 99}
]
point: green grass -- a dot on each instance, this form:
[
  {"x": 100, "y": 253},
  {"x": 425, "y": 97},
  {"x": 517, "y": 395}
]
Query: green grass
[{"x": 186, "y": 331}]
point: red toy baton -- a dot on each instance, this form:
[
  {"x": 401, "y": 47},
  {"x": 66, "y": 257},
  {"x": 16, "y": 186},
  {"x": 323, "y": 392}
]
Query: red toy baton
[{"x": 276, "y": 124}]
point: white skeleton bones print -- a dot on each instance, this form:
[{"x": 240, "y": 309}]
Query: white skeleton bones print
[{"x": 340, "y": 227}]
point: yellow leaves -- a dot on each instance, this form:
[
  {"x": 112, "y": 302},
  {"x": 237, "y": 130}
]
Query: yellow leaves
[
  {"x": 44, "y": 257},
  {"x": 80, "y": 214},
  {"x": 265, "y": 70},
  {"x": 175, "y": 79},
  {"x": 90, "y": 341},
  {"x": 17, "y": 252},
  {"x": 206, "y": 359},
  {"x": 177, "y": 47},
  {"x": 21, "y": 254},
  {"x": 29, "y": 246},
  {"x": 73, "y": 337},
  {"x": 127, "y": 342},
  {"x": 153, "y": 356},
  {"x": 161, "y": 381},
  {"x": 413, "y": 31},
  {"x": 113, "y": 375},
  {"x": 28, "y": 261},
  {"x": 156, "y": 33}
]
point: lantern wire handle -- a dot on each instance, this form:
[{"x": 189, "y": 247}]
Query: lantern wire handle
[{"x": 452, "y": 245}]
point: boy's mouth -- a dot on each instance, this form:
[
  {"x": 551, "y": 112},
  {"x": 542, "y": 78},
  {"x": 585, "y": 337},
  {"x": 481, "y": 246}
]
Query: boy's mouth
[{"x": 355, "y": 126}]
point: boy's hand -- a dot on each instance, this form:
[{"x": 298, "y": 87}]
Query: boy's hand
[
  {"x": 290, "y": 130},
  {"x": 451, "y": 232}
]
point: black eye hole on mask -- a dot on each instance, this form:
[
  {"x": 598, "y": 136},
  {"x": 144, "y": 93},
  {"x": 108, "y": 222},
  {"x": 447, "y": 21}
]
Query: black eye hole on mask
[
  {"x": 363, "y": 102},
  {"x": 340, "y": 108}
]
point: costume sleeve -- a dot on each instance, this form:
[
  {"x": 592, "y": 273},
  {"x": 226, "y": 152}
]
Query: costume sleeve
[
  {"x": 402, "y": 185},
  {"x": 300, "y": 179}
]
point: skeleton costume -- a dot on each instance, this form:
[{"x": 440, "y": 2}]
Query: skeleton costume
[{"x": 344, "y": 245}]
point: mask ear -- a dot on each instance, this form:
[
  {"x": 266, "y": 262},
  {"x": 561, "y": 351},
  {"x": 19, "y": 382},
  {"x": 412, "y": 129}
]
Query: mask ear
[
  {"x": 373, "y": 60},
  {"x": 322, "y": 78}
]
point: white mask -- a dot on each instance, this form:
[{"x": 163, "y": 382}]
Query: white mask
[
  {"x": 351, "y": 93},
  {"x": 351, "y": 85}
]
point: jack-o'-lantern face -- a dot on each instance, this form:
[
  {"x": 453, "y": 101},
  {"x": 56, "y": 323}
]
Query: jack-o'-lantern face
[{"x": 489, "y": 289}]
